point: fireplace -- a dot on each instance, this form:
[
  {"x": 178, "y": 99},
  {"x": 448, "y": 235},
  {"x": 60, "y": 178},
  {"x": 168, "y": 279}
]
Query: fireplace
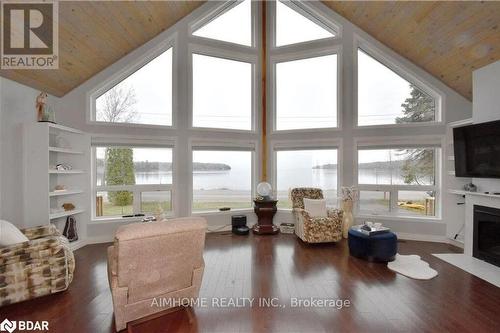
[{"x": 486, "y": 236}]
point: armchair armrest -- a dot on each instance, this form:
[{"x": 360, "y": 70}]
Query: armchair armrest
[
  {"x": 41, "y": 231},
  {"x": 335, "y": 213},
  {"x": 34, "y": 249},
  {"x": 300, "y": 212}
]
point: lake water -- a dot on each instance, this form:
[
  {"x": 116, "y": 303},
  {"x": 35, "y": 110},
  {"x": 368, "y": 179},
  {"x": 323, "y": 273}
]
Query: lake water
[{"x": 240, "y": 179}]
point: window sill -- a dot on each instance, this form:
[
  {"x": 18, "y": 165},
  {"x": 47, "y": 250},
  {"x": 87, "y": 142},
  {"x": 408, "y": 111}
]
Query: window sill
[
  {"x": 227, "y": 212},
  {"x": 130, "y": 125},
  {"x": 115, "y": 219},
  {"x": 433, "y": 219},
  {"x": 405, "y": 125}
]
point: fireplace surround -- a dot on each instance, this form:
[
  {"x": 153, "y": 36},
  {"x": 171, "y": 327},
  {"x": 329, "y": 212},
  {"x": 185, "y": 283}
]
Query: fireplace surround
[{"x": 486, "y": 234}]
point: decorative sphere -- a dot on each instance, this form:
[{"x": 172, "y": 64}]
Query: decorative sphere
[{"x": 264, "y": 189}]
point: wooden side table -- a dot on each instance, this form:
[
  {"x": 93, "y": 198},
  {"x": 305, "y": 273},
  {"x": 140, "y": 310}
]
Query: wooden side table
[{"x": 265, "y": 210}]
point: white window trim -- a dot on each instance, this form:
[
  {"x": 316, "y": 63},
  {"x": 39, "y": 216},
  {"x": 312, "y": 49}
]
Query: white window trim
[
  {"x": 302, "y": 55},
  {"x": 437, "y": 141},
  {"x": 229, "y": 55},
  {"x": 217, "y": 11},
  {"x": 314, "y": 144},
  {"x": 309, "y": 12},
  {"x": 127, "y": 70},
  {"x": 251, "y": 146},
  {"x": 135, "y": 142},
  {"x": 402, "y": 70}
]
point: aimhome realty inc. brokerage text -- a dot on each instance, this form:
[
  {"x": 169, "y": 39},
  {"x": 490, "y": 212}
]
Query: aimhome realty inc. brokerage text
[{"x": 242, "y": 302}]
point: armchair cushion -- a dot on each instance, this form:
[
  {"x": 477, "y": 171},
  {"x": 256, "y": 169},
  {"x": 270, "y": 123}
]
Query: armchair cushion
[
  {"x": 10, "y": 234},
  {"x": 315, "y": 207}
]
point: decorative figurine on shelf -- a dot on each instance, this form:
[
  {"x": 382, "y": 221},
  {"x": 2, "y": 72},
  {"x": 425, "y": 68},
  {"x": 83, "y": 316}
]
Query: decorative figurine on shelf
[
  {"x": 68, "y": 206},
  {"x": 60, "y": 188},
  {"x": 45, "y": 113},
  {"x": 349, "y": 196},
  {"x": 159, "y": 213},
  {"x": 70, "y": 229},
  {"x": 470, "y": 187},
  {"x": 63, "y": 167}
]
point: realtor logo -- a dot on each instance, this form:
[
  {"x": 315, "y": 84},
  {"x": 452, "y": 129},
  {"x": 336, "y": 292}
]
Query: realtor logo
[
  {"x": 29, "y": 35},
  {"x": 7, "y": 326}
]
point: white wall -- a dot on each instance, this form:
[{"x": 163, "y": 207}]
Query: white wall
[
  {"x": 72, "y": 111},
  {"x": 17, "y": 106},
  {"x": 486, "y": 107}
]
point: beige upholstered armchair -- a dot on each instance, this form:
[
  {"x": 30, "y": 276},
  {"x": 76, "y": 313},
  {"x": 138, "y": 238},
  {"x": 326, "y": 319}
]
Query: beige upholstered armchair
[
  {"x": 155, "y": 261},
  {"x": 41, "y": 266},
  {"x": 317, "y": 229}
]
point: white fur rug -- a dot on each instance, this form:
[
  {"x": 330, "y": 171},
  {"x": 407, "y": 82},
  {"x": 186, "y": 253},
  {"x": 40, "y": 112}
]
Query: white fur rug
[{"x": 412, "y": 266}]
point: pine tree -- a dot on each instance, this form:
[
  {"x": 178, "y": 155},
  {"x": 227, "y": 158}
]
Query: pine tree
[
  {"x": 419, "y": 107},
  {"x": 120, "y": 171},
  {"x": 418, "y": 166}
]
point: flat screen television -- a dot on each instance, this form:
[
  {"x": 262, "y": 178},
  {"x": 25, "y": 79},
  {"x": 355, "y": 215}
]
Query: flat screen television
[{"x": 477, "y": 150}]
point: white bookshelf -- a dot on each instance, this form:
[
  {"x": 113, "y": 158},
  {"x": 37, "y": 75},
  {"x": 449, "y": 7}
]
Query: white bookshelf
[{"x": 45, "y": 146}]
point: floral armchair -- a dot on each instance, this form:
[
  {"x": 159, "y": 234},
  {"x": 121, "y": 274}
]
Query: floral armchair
[
  {"x": 315, "y": 229},
  {"x": 44, "y": 265}
]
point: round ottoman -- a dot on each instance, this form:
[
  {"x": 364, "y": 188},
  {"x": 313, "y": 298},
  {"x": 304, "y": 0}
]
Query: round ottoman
[{"x": 379, "y": 247}]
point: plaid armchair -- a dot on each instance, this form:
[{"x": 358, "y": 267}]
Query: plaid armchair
[
  {"x": 43, "y": 265},
  {"x": 315, "y": 229}
]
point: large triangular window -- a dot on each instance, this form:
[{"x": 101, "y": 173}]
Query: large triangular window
[
  {"x": 293, "y": 25},
  {"x": 233, "y": 24},
  {"x": 386, "y": 98},
  {"x": 144, "y": 97}
]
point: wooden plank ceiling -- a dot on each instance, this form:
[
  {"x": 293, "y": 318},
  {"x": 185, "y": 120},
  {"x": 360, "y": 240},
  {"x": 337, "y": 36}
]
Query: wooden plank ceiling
[
  {"x": 447, "y": 39},
  {"x": 95, "y": 34}
]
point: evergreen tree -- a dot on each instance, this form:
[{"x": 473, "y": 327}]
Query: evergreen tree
[
  {"x": 419, "y": 107},
  {"x": 120, "y": 171},
  {"x": 418, "y": 165}
]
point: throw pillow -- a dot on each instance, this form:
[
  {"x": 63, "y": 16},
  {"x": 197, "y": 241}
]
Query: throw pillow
[
  {"x": 10, "y": 234},
  {"x": 315, "y": 207}
]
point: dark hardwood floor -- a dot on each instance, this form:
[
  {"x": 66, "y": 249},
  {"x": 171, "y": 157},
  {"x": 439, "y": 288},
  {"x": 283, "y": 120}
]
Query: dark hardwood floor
[{"x": 283, "y": 267}]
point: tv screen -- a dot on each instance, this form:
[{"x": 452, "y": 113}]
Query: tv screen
[{"x": 477, "y": 150}]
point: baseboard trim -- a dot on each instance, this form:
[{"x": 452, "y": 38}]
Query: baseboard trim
[
  {"x": 220, "y": 228},
  {"x": 422, "y": 238}
]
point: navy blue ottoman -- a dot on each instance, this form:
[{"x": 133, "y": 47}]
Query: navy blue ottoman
[{"x": 380, "y": 247}]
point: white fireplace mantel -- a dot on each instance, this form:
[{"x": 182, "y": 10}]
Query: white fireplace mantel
[{"x": 471, "y": 199}]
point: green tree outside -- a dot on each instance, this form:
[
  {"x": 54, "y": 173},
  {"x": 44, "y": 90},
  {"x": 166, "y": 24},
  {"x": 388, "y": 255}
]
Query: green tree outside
[
  {"x": 120, "y": 171},
  {"x": 418, "y": 165}
]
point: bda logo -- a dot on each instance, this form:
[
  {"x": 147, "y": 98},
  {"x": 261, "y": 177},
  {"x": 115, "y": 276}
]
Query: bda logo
[{"x": 8, "y": 326}]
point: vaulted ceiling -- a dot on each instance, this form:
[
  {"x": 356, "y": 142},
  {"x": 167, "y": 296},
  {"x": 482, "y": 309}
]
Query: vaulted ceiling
[
  {"x": 95, "y": 34},
  {"x": 447, "y": 39}
]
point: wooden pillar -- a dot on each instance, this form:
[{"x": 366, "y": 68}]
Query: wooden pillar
[{"x": 264, "y": 152}]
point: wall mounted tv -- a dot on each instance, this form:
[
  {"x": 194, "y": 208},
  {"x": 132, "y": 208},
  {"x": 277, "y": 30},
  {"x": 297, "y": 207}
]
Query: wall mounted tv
[{"x": 477, "y": 150}]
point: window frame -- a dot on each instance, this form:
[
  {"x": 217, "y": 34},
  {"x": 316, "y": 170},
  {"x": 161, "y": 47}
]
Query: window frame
[
  {"x": 310, "y": 13},
  {"x": 303, "y": 55},
  {"x": 314, "y": 144},
  {"x": 250, "y": 58},
  {"x": 217, "y": 11},
  {"x": 129, "y": 68},
  {"x": 404, "y": 71},
  {"x": 437, "y": 142},
  {"x": 252, "y": 146},
  {"x": 138, "y": 142}
]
